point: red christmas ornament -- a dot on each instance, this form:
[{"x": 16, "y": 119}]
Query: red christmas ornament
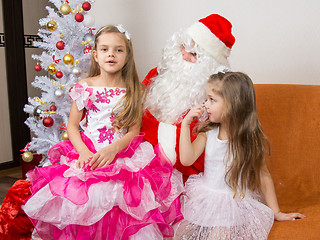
[
  {"x": 86, "y": 6},
  {"x": 87, "y": 49},
  {"x": 59, "y": 74},
  {"x": 53, "y": 108},
  {"x": 37, "y": 67},
  {"x": 79, "y": 17},
  {"x": 47, "y": 121},
  {"x": 60, "y": 45}
]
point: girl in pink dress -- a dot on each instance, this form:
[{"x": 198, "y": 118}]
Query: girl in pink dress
[
  {"x": 224, "y": 202},
  {"x": 105, "y": 182}
]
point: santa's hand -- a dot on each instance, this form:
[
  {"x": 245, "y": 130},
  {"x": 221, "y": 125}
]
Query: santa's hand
[
  {"x": 194, "y": 113},
  {"x": 167, "y": 140}
]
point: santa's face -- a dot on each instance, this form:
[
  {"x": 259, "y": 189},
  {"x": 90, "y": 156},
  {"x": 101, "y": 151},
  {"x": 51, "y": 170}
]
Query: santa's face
[
  {"x": 183, "y": 74},
  {"x": 188, "y": 56}
]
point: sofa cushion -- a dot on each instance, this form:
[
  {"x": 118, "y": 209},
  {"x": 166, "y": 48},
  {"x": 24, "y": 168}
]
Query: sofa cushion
[{"x": 290, "y": 117}]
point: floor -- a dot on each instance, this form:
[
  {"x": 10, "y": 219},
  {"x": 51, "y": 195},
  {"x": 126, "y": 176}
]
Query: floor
[
  {"x": 11, "y": 172},
  {"x": 7, "y": 179}
]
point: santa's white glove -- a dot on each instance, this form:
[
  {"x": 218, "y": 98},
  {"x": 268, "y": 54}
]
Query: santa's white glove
[{"x": 167, "y": 139}]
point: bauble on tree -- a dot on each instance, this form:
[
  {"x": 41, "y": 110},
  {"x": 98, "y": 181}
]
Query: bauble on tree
[
  {"x": 60, "y": 45},
  {"x": 48, "y": 121},
  {"x": 37, "y": 67},
  {"x": 79, "y": 17},
  {"x": 86, "y": 6}
]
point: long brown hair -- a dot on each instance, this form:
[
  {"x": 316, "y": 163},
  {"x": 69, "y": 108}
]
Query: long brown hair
[
  {"x": 129, "y": 111},
  {"x": 247, "y": 143}
]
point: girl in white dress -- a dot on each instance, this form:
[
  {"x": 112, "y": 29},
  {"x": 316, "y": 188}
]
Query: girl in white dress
[
  {"x": 105, "y": 182},
  {"x": 224, "y": 202}
]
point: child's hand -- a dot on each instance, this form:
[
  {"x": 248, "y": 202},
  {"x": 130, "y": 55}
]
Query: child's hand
[
  {"x": 287, "y": 216},
  {"x": 103, "y": 157},
  {"x": 195, "y": 112},
  {"x": 84, "y": 157}
]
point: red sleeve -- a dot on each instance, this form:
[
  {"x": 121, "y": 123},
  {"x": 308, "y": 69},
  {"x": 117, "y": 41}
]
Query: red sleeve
[
  {"x": 152, "y": 73},
  {"x": 150, "y": 127},
  {"x": 198, "y": 165}
]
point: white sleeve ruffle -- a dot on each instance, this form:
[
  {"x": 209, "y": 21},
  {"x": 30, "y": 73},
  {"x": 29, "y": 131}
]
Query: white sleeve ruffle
[{"x": 81, "y": 94}]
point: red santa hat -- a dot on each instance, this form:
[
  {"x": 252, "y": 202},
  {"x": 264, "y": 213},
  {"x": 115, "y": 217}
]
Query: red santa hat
[{"x": 213, "y": 34}]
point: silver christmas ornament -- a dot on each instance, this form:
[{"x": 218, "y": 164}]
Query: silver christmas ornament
[
  {"x": 88, "y": 20},
  {"x": 58, "y": 93},
  {"x": 37, "y": 111},
  {"x": 76, "y": 71}
]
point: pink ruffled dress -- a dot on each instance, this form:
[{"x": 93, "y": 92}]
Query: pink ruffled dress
[{"x": 135, "y": 197}]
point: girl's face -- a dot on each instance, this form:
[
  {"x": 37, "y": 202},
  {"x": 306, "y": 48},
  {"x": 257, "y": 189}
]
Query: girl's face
[
  {"x": 111, "y": 53},
  {"x": 214, "y": 104}
]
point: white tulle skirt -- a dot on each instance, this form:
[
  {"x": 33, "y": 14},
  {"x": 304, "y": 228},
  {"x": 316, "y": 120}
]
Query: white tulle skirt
[{"x": 215, "y": 214}]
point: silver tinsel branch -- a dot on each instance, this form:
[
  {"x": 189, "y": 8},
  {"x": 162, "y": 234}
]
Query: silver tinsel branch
[{"x": 54, "y": 101}]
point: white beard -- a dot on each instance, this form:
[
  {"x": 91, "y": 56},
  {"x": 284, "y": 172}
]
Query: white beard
[{"x": 179, "y": 85}]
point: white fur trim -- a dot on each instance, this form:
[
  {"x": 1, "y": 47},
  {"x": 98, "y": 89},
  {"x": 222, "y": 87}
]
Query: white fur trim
[
  {"x": 209, "y": 42},
  {"x": 167, "y": 139}
]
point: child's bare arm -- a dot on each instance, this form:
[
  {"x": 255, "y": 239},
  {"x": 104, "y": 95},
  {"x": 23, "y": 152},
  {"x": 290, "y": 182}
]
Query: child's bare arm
[
  {"x": 269, "y": 193},
  {"x": 189, "y": 152},
  {"x": 75, "y": 137}
]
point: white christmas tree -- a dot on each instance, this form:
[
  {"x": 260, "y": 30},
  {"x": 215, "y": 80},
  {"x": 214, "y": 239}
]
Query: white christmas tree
[{"x": 67, "y": 38}]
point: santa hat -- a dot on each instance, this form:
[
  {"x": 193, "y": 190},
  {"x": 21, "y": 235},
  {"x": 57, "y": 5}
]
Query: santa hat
[{"x": 213, "y": 34}]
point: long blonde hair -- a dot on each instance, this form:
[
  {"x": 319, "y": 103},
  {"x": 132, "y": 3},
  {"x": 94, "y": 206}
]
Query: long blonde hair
[
  {"x": 246, "y": 140},
  {"x": 129, "y": 111}
]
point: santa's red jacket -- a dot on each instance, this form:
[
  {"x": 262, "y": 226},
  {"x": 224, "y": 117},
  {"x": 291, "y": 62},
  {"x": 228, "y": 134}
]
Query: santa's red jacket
[{"x": 150, "y": 127}]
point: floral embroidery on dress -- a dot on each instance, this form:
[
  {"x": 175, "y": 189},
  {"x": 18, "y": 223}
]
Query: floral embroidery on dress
[
  {"x": 111, "y": 117},
  {"x": 118, "y": 91},
  {"x": 106, "y": 134},
  {"x": 94, "y": 108},
  {"x": 81, "y": 95},
  {"x": 104, "y": 97}
]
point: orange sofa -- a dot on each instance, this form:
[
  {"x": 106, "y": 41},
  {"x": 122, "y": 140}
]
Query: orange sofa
[{"x": 290, "y": 117}]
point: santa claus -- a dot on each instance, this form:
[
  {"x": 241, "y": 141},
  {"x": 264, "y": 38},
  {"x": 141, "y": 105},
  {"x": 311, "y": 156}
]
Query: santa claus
[{"x": 178, "y": 83}]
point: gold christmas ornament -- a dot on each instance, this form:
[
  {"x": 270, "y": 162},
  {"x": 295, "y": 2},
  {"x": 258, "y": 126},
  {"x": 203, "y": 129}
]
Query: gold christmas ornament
[
  {"x": 52, "y": 26},
  {"x": 52, "y": 68},
  {"x": 68, "y": 58},
  {"x": 27, "y": 156},
  {"x": 65, "y": 136},
  {"x": 65, "y": 9}
]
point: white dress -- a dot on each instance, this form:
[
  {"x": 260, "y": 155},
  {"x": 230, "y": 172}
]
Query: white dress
[{"x": 209, "y": 209}]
